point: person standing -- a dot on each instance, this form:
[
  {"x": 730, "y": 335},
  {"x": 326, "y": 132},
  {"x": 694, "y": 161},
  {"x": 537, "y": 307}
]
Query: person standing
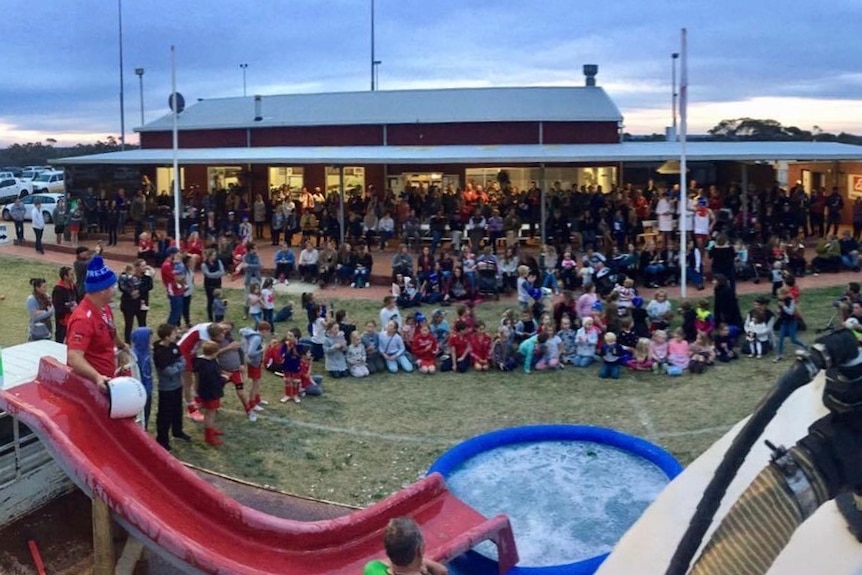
[
  {"x": 59, "y": 216},
  {"x": 213, "y": 271},
  {"x": 18, "y": 212},
  {"x": 37, "y": 218},
  {"x": 173, "y": 278},
  {"x": 64, "y": 296},
  {"x": 92, "y": 335},
  {"x": 41, "y": 310}
]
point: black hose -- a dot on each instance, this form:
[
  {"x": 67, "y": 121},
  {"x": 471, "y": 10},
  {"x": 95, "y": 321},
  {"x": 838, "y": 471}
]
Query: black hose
[
  {"x": 760, "y": 523},
  {"x": 797, "y": 376},
  {"x": 837, "y": 348}
]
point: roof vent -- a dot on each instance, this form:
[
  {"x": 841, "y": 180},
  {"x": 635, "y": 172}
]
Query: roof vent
[
  {"x": 258, "y": 105},
  {"x": 590, "y": 71}
]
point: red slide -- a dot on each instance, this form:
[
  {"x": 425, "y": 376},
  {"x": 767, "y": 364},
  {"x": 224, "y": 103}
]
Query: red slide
[{"x": 197, "y": 527}]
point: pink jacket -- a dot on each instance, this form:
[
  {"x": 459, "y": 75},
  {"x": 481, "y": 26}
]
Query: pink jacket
[{"x": 678, "y": 353}]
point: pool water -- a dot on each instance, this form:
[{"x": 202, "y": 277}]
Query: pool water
[{"x": 567, "y": 500}]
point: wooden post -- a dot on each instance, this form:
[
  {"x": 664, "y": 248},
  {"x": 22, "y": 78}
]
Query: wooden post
[{"x": 103, "y": 538}]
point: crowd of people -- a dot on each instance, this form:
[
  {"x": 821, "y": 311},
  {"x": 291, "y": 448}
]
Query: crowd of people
[{"x": 608, "y": 324}]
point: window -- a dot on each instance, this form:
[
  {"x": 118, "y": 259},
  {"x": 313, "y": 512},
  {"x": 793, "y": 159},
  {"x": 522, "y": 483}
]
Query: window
[
  {"x": 354, "y": 177},
  {"x": 291, "y": 178}
]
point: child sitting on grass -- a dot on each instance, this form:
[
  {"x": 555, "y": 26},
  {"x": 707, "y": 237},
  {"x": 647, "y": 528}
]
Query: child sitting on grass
[
  {"x": 586, "y": 342},
  {"x": 459, "y": 350},
  {"x": 425, "y": 348},
  {"x": 551, "y": 357},
  {"x": 502, "y": 351},
  {"x": 702, "y": 353},
  {"x": 640, "y": 360},
  {"x": 658, "y": 350},
  {"x": 568, "y": 342},
  {"x": 334, "y": 347},
  {"x": 356, "y": 359},
  {"x": 480, "y": 347},
  {"x": 371, "y": 341},
  {"x": 611, "y": 354},
  {"x": 724, "y": 343},
  {"x": 678, "y": 354}
]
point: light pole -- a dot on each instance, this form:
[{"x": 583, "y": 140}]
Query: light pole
[
  {"x": 374, "y": 62},
  {"x": 140, "y": 73},
  {"x": 122, "y": 95},
  {"x": 244, "y": 68},
  {"x": 673, "y": 94}
]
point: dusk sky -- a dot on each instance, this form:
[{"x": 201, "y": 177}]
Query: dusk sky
[{"x": 793, "y": 61}]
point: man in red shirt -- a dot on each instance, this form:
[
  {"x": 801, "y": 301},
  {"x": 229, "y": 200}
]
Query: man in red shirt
[{"x": 92, "y": 336}]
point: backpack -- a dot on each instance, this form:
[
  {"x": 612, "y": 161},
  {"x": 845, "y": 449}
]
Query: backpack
[{"x": 251, "y": 345}]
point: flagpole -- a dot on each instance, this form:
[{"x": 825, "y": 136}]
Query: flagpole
[
  {"x": 683, "y": 176},
  {"x": 175, "y": 146}
]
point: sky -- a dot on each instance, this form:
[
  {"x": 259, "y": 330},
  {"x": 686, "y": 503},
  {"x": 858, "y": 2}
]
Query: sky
[{"x": 794, "y": 61}]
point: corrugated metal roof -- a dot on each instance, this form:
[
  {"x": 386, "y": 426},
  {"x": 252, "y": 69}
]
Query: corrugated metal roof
[
  {"x": 500, "y": 155},
  {"x": 399, "y": 107}
]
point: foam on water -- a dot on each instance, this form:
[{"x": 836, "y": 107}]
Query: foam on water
[{"x": 567, "y": 500}]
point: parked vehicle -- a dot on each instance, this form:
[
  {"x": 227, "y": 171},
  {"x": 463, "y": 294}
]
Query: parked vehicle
[
  {"x": 49, "y": 182},
  {"x": 49, "y": 202},
  {"x": 12, "y": 188}
]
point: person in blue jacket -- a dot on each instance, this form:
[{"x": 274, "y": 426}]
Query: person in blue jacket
[{"x": 141, "y": 342}]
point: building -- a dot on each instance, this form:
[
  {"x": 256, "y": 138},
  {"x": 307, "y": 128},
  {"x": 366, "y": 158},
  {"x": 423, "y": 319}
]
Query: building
[{"x": 444, "y": 137}]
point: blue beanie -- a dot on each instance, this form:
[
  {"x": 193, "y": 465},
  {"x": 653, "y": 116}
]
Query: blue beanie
[{"x": 99, "y": 276}]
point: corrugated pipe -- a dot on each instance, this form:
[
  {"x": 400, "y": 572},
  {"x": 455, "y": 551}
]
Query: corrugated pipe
[{"x": 761, "y": 522}]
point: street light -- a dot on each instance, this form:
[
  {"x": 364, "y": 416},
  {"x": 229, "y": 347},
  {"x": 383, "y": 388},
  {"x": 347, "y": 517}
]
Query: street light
[
  {"x": 122, "y": 87},
  {"x": 377, "y": 73},
  {"x": 244, "y": 68},
  {"x": 673, "y": 58},
  {"x": 140, "y": 73}
]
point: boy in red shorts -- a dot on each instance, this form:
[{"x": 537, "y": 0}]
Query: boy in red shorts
[
  {"x": 232, "y": 362},
  {"x": 254, "y": 346},
  {"x": 210, "y": 389}
]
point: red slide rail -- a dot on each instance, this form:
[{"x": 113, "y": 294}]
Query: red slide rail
[{"x": 192, "y": 523}]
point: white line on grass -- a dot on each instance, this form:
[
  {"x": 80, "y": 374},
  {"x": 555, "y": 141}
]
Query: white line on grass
[
  {"x": 722, "y": 429},
  {"x": 353, "y": 431},
  {"x": 644, "y": 417}
]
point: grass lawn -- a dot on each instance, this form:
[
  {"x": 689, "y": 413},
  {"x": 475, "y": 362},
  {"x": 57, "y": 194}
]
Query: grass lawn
[{"x": 364, "y": 439}]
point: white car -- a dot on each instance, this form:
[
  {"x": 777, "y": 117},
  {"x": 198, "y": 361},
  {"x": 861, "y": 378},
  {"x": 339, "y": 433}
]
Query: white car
[
  {"x": 49, "y": 202},
  {"x": 11, "y": 188},
  {"x": 52, "y": 182}
]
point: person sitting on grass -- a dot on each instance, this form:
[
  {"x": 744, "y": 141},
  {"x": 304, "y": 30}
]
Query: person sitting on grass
[
  {"x": 356, "y": 357},
  {"x": 393, "y": 350},
  {"x": 586, "y": 342},
  {"x": 459, "y": 350},
  {"x": 568, "y": 342},
  {"x": 405, "y": 549},
  {"x": 425, "y": 349},
  {"x": 480, "y": 347},
  {"x": 658, "y": 350},
  {"x": 334, "y": 348},
  {"x": 532, "y": 350},
  {"x": 724, "y": 342},
  {"x": 551, "y": 357},
  {"x": 611, "y": 354},
  {"x": 641, "y": 361},
  {"x": 502, "y": 352},
  {"x": 678, "y": 355}
]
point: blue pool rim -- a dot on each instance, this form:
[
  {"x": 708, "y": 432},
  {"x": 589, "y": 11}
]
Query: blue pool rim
[{"x": 477, "y": 564}]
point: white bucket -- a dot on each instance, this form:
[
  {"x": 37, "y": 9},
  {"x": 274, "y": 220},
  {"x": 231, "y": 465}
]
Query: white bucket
[{"x": 126, "y": 397}]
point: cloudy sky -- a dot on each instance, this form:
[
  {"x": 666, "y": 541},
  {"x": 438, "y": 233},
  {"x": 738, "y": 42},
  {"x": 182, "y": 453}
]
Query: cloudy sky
[{"x": 795, "y": 61}]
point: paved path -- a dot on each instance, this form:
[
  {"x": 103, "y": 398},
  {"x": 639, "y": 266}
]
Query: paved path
[{"x": 126, "y": 251}]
